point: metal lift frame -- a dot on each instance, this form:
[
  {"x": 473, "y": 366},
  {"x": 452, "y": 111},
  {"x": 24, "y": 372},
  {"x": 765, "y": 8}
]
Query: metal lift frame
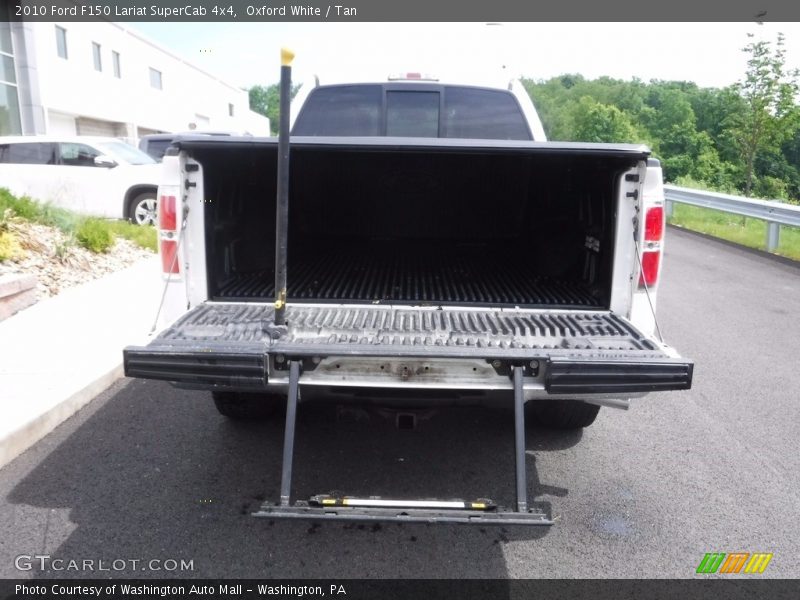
[{"x": 482, "y": 512}]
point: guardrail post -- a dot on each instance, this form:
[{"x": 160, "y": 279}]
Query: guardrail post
[
  {"x": 773, "y": 236},
  {"x": 668, "y": 208}
]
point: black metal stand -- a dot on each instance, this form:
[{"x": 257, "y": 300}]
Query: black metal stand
[
  {"x": 519, "y": 440},
  {"x": 483, "y": 511},
  {"x": 288, "y": 437}
]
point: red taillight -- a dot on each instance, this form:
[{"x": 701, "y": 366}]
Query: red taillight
[
  {"x": 169, "y": 262},
  {"x": 654, "y": 224},
  {"x": 649, "y": 274},
  {"x": 167, "y": 216},
  {"x": 168, "y": 221}
]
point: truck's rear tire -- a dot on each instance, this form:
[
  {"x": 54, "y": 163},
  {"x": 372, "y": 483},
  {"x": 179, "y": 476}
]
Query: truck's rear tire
[
  {"x": 561, "y": 414},
  {"x": 244, "y": 406}
]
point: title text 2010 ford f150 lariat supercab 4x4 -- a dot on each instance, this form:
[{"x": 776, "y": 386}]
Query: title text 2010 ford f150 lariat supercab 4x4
[{"x": 436, "y": 242}]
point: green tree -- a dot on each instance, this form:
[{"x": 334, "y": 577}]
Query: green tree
[
  {"x": 552, "y": 99},
  {"x": 671, "y": 123},
  {"x": 791, "y": 153},
  {"x": 768, "y": 119},
  {"x": 595, "y": 122},
  {"x": 259, "y": 99},
  {"x": 694, "y": 131},
  {"x": 715, "y": 110},
  {"x": 265, "y": 100}
]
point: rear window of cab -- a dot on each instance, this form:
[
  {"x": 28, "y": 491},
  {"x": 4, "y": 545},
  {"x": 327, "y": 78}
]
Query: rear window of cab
[{"x": 412, "y": 111}]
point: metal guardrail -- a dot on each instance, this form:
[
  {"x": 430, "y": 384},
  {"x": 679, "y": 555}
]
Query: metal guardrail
[{"x": 774, "y": 213}]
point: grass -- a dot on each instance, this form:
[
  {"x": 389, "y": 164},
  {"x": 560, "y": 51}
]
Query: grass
[
  {"x": 97, "y": 235},
  {"x": 45, "y": 214},
  {"x": 747, "y": 232},
  {"x": 145, "y": 237}
]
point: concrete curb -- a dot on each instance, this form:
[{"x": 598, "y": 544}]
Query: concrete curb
[
  {"x": 26, "y": 436},
  {"x": 58, "y": 355},
  {"x": 16, "y": 293}
]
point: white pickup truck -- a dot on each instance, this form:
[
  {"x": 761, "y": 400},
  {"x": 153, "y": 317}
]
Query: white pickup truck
[{"x": 436, "y": 243}]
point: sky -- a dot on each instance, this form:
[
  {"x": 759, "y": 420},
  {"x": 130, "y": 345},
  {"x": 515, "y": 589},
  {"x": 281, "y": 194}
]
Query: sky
[{"x": 246, "y": 54}]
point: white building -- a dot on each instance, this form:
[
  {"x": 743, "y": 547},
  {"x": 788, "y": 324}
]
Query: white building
[{"x": 104, "y": 79}]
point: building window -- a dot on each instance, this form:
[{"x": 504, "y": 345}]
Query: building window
[
  {"x": 155, "y": 79},
  {"x": 5, "y": 31},
  {"x": 7, "y": 74},
  {"x": 230, "y": 110},
  {"x": 115, "y": 60},
  {"x": 98, "y": 59},
  {"x": 10, "y": 123},
  {"x": 61, "y": 41}
]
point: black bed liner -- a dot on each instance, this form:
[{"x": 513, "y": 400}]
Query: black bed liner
[
  {"x": 229, "y": 344},
  {"x": 352, "y": 276},
  {"x": 411, "y": 220}
]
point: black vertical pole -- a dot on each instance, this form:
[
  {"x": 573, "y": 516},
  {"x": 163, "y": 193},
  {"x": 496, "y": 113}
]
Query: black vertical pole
[
  {"x": 288, "y": 436},
  {"x": 282, "y": 211},
  {"x": 519, "y": 440}
]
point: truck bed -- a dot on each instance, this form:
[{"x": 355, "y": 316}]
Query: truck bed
[
  {"x": 404, "y": 221},
  {"x": 416, "y": 275}
]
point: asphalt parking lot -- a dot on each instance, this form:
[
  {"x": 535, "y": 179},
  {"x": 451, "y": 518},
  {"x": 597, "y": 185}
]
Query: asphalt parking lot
[{"x": 150, "y": 472}]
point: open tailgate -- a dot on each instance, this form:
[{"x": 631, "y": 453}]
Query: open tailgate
[{"x": 229, "y": 344}]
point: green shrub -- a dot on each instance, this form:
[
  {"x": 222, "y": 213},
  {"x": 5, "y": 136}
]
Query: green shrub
[
  {"x": 145, "y": 237},
  {"x": 9, "y": 246},
  {"x": 45, "y": 214},
  {"x": 95, "y": 235},
  {"x": 22, "y": 207},
  {"x": 690, "y": 182},
  {"x": 59, "y": 218},
  {"x": 63, "y": 248}
]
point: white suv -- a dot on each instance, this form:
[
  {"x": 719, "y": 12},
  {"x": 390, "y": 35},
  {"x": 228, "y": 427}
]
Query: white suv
[{"x": 98, "y": 176}]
